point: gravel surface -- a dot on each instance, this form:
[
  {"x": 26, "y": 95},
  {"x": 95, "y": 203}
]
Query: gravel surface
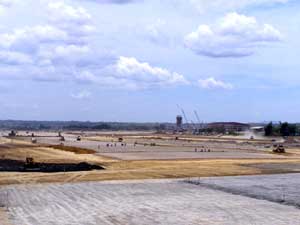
[
  {"x": 153, "y": 202},
  {"x": 189, "y": 155},
  {"x": 175, "y": 150},
  {"x": 283, "y": 188}
]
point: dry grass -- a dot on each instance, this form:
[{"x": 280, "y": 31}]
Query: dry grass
[
  {"x": 48, "y": 155},
  {"x": 75, "y": 150},
  {"x": 126, "y": 170}
]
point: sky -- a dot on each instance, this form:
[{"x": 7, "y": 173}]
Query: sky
[{"x": 143, "y": 60}]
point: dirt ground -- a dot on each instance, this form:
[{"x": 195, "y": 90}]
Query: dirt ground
[
  {"x": 165, "y": 147},
  {"x": 170, "y": 159},
  {"x": 167, "y": 159}
]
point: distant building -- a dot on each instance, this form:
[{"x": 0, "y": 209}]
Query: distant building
[
  {"x": 258, "y": 129},
  {"x": 179, "y": 121},
  {"x": 228, "y": 126}
]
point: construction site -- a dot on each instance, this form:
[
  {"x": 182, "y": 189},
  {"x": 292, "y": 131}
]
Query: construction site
[
  {"x": 149, "y": 112},
  {"x": 148, "y": 177}
]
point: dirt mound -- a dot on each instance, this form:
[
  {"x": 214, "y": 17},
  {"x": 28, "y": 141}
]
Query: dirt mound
[{"x": 7, "y": 165}]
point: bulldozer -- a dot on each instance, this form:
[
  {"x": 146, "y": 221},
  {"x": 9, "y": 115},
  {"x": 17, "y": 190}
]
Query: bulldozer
[
  {"x": 278, "y": 149},
  {"x": 29, "y": 162},
  {"x": 31, "y": 165}
]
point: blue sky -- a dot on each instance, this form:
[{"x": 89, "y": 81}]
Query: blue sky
[{"x": 122, "y": 60}]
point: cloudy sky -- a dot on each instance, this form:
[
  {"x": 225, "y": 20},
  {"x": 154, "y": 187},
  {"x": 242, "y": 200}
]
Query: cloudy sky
[{"x": 136, "y": 60}]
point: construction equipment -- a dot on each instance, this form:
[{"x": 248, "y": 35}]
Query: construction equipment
[
  {"x": 184, "y": 115},
  {"x": 12, "y": 134},
  {"x": 193, "y": 125},
  {"x": 278, "y": 149},
  {"x": 61, "y": 138},
  {"x": 31, "y": 165},
  {"x": 198, "y": 119},
  {"x": 29, "y": 162}
]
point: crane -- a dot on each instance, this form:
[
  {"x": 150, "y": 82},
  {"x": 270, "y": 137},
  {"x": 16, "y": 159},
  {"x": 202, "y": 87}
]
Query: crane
[
  {"x": 197, "y": 116},
  {"x": 184, "y": 115},
  {"x": 201, "y": 125},
  {"x": 194, "y": 126}
]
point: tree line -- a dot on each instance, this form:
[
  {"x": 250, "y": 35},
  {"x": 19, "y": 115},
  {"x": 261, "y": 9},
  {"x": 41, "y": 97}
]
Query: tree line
[{"x": 281, "y": 129}]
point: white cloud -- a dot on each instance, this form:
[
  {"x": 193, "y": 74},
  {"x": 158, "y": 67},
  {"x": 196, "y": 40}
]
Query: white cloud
[
  {"x": 14, "y": 58},
  {"x": 225, "y": 5},
  {"x": 53, "y": 49},
  {"x": 204, "y": 5},
  {"x": 113, "y": 1},
  {"x": 81, "y": 95},
  {"x": 61, "y": 12},
  {"x": 129, "y": 73},
  {"x": 6, "y": 3},
  {"x": 233, "y": 36},
  {"x": 156, "y": 32},
  {"x": 69, "y": 50},
  {"x": 76, "y": 21},
  {"x": 212, "y": 83},
  {"x": 65, "y": 54},
  {"x": 29, "y": 38},
  {"x": 133, "y": 69},
  {"x": 67, "y": 24},
  {"x": 62, "y": 50}
]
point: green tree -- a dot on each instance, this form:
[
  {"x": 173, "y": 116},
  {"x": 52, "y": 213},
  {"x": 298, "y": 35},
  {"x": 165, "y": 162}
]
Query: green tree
[
  {"x": 292, "y": 129},
  {"x": 269, "y": 129},
  {"x": 284, "y": 129}
]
